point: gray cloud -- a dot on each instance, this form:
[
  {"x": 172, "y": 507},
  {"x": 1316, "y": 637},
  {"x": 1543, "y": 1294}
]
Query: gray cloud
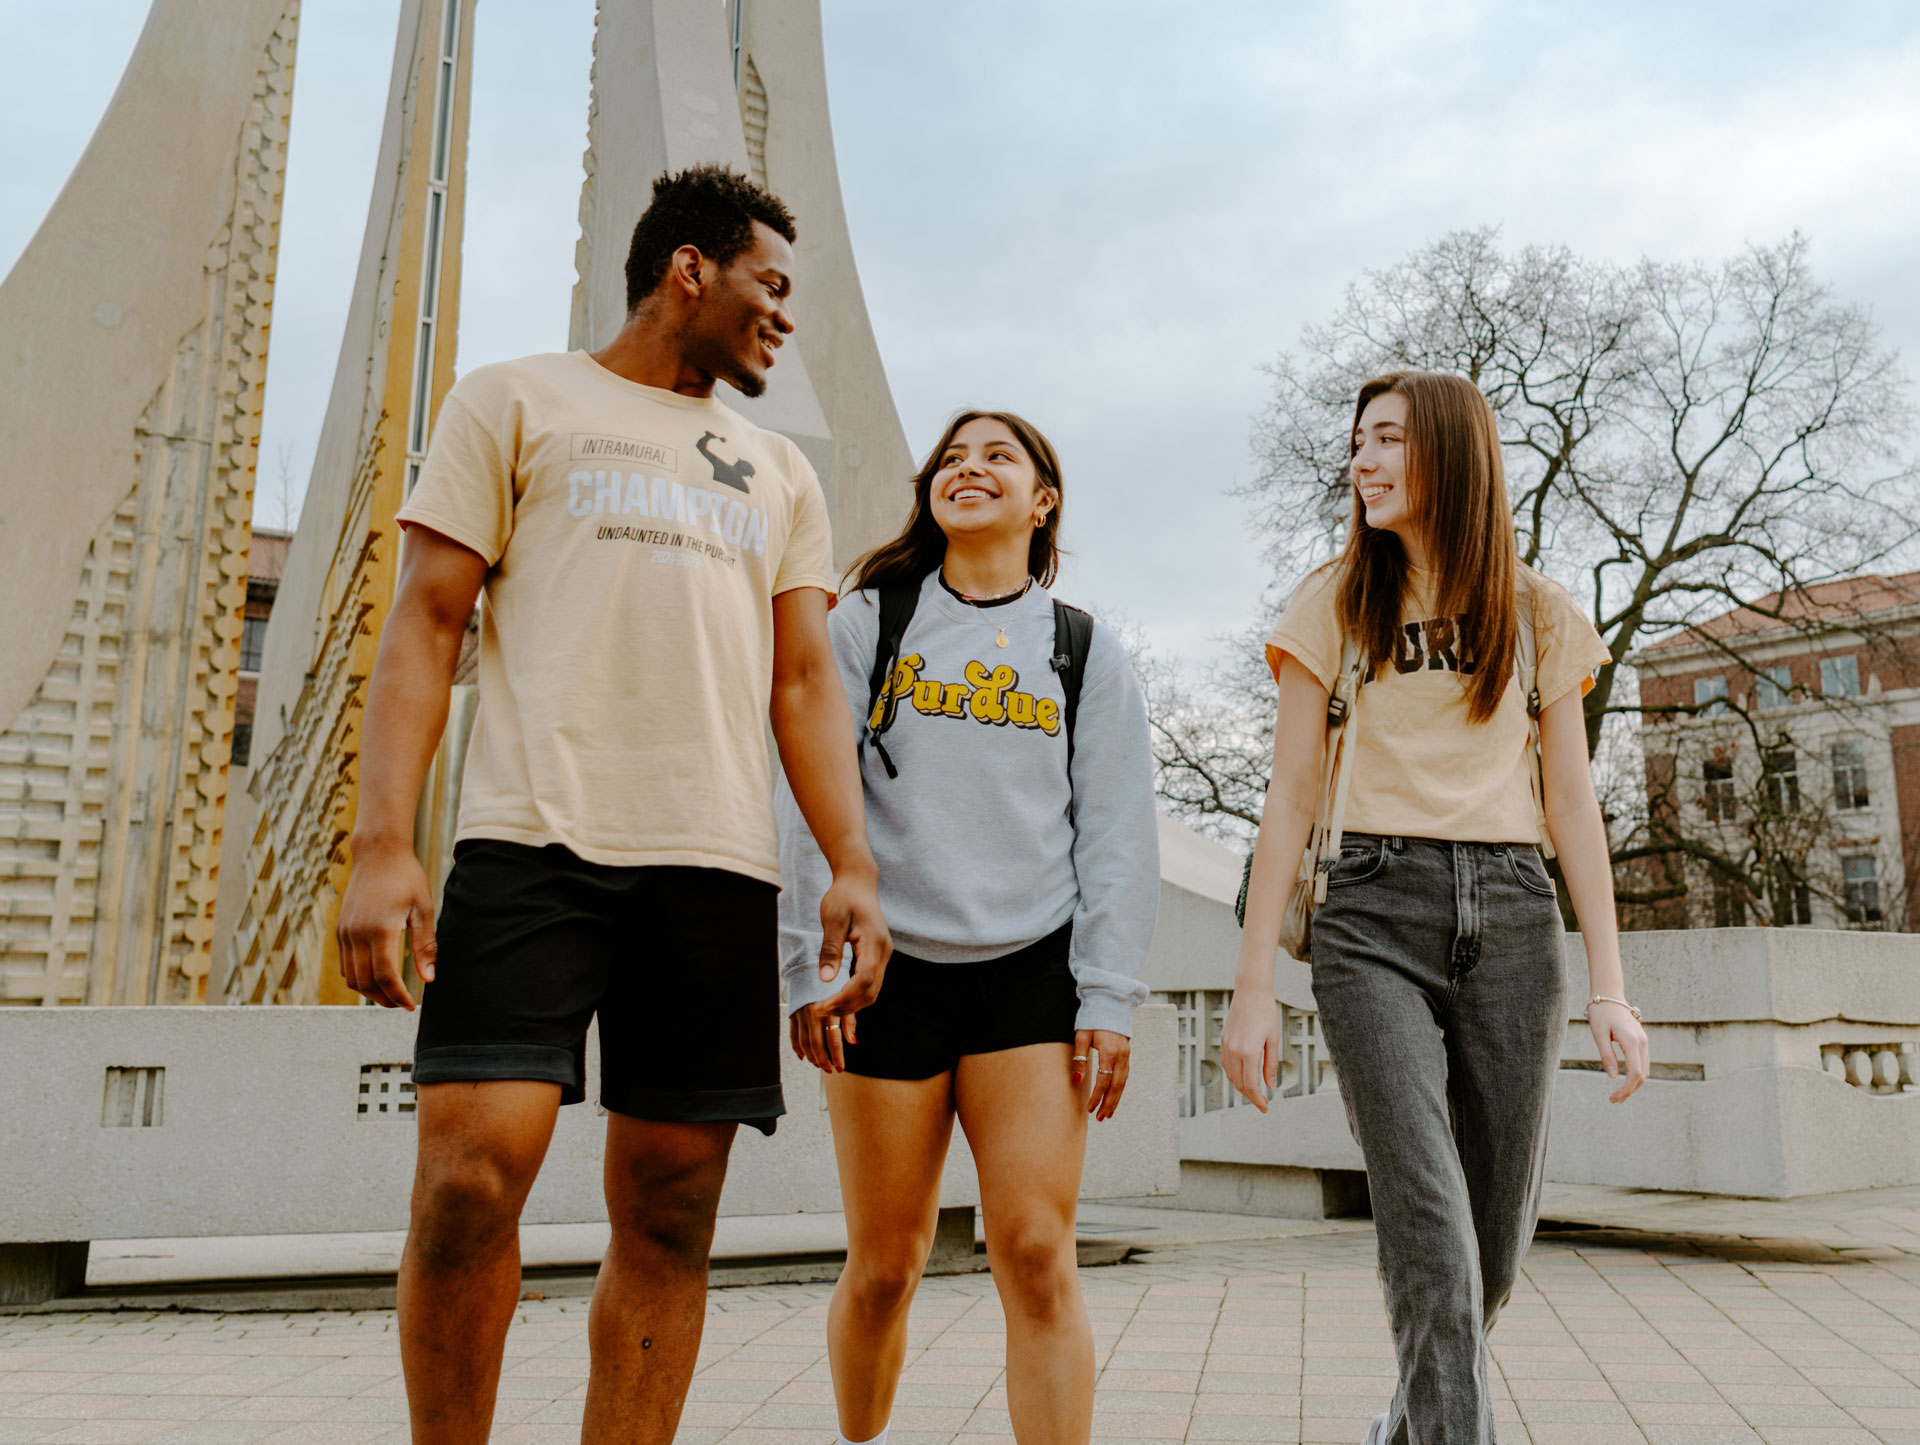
[{"x": 1108, "y": 215}]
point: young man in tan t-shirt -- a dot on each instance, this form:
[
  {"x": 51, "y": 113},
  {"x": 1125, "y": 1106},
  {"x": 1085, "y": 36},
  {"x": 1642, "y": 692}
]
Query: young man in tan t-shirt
[{"x": 654, "y": 574}]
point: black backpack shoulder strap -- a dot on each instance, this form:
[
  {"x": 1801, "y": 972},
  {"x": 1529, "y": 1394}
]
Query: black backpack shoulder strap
[
  {"x": 897, "y": 604},
  {"x": 1072, "y": 640}
]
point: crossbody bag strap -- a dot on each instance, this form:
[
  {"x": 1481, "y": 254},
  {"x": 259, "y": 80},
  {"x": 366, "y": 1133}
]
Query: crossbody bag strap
[
  {"x": 1341, "y": 739},
  {"x": 1526, "y": 663}
]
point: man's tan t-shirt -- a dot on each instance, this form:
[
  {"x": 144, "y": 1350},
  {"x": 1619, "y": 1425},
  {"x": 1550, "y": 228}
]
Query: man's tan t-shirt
[
  {"x": 1420, "y": 768},
  {"x": 635, "y": 540}
]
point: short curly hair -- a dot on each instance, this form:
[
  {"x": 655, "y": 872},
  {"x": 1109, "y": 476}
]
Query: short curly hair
[{"x": 709, "y": 207}]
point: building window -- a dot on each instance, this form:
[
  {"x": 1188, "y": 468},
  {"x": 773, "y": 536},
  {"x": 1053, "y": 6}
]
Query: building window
[
  {"x": 1721, "y": 802},
  {"x": 1729, "y": 903},
  {"x": 1860, "y": 883},
  {"x": 1773, "y": 686},
  {"x": 1850, "y": 774},
  {"x": 1840, "y": 676},
  {"x": 242, "y": 744},
  {"x": 1782, "y": 778},
  {"x": 1792, "y": 899},
  {"x": 1710, "y": 695},
  {"x": 253, "y": 638}
]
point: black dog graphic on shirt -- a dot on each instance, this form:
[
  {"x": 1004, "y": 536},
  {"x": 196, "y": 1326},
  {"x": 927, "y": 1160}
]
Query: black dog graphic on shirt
[{"x": 728, "y": 474}]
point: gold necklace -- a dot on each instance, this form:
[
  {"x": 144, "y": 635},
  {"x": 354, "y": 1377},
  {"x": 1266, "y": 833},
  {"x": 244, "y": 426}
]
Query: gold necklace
[{"x": 1007, "y": 599}]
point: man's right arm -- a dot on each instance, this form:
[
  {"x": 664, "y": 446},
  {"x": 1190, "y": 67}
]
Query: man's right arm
[{"x": 407, "y": 697}]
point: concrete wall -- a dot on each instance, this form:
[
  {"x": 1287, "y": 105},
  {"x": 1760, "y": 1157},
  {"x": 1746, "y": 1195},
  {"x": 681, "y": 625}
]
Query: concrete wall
[
  {"x": 256, "y": 1127},
  {"x": 1790, "y": 1056}
]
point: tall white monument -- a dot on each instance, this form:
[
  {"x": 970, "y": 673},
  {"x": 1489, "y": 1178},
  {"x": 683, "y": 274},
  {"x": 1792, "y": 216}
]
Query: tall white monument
[{"x": 133, "y": 349}]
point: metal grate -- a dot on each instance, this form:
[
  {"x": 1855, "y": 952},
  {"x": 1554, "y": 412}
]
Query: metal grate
[
  {"x": 386, "y": 1090},
  {"x": 133, "y": 1098}
]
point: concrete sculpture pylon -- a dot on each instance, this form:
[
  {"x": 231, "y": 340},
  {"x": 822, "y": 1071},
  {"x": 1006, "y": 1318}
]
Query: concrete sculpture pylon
[
  {"x": 664, "y": 97},
  {"x": 396, "y": 365},
  {"x": 131, "y": 373},
  {"x": 745, "y": 84}
]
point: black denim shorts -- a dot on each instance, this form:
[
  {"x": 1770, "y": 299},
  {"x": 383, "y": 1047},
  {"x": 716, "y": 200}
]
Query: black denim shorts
[
  {"x": 681, "y": 966},
  {"x": 929, "y": 1015}
]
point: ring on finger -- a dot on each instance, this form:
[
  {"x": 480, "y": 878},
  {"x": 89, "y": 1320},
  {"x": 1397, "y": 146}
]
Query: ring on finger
[
  {"x": 833, "y": 1028},
  {"x": 1079, "y": 1058},
  {"x": 1105, "y": 1071}
]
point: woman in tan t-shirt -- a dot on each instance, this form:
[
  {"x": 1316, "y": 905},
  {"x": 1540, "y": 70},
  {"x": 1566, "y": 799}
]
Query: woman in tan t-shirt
[{"x": 1437, "y": 953}]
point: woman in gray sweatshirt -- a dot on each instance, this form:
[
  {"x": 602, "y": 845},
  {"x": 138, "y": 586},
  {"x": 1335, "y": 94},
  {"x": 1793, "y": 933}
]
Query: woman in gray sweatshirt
[{"x": 1009, "y": 797}]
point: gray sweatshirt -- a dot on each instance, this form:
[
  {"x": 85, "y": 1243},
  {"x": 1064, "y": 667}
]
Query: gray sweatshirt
[{"x": 983, "y": 844}]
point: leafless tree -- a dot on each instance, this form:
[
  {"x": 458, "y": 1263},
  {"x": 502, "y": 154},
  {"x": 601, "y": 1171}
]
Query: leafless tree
[
  {"x": 286, "y": 510},
  {"x": 1680, "y": 440}
]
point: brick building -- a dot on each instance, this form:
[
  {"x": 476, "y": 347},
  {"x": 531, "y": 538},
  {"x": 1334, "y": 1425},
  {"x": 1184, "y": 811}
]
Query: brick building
[
  {"x": 265, "y": 563},
  {"x": 1790, "y": 744}
]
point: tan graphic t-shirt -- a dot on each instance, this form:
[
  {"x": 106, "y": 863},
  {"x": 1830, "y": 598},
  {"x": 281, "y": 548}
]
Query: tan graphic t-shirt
[
  {"x": 1421, "y": 769},
  {"x": 635, "y": 540}
]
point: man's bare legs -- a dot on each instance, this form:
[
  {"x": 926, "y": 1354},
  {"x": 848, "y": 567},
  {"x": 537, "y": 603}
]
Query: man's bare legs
[
  {"x": 650, "y": 1302},
  {"x": 480, "y": 1147},
  {"x": 890, "y": 1140},
  {"x": 1027, "y": 1126}
]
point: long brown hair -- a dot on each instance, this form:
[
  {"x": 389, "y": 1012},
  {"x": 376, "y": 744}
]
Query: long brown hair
[
  {"x": 1457, "y": 495},
  {"x": 922, "y": 546}
]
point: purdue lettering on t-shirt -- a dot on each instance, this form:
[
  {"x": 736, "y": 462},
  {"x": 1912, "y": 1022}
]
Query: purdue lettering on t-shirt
[
  {"x": 635, "y": 540},
  {"x": 1421, "y": 768}
]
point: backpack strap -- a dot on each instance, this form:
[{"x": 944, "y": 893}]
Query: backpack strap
[
  {"x": 1072, "y": 640},
  {"x": 897, "y": 606},
  {"x": 1526, "y": 669}
]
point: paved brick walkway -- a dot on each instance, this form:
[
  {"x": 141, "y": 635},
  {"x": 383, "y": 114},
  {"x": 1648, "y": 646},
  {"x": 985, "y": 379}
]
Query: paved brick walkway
[{"x": 1614, "y": 1336}]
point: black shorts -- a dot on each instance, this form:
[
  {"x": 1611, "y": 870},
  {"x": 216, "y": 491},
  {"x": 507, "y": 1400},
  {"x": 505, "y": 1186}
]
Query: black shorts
[
  {"x": 680, "y": 964},
  {"x": 929, "y": 1014}
]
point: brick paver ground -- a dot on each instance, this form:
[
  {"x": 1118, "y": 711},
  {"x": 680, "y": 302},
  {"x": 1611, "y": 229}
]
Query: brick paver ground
[{"x": 1611, "y": 1337}]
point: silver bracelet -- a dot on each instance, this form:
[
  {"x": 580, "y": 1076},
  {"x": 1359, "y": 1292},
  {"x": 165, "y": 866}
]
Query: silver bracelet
[{"x": 1603, "y": 998}]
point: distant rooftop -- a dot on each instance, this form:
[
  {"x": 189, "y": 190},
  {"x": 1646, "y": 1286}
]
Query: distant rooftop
[
  {"x": 1838, "y": 602},
  {"x": 269, "y": 556}
]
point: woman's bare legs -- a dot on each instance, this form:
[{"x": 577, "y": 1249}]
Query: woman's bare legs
[
  {"x": 1027, "y": 1126},
  {"x": 890, "y": 1139}
]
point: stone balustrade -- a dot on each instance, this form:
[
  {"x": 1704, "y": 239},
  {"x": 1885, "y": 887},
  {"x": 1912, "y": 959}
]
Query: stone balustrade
[{"x": 1784, "y": 1062}]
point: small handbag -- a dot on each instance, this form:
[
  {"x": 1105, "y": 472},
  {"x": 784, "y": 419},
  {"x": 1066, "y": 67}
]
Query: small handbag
[{"x": 1323, "y": 844}]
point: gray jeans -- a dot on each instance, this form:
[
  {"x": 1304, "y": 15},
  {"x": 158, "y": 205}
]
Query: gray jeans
[{"x": 1437, "y": 967}]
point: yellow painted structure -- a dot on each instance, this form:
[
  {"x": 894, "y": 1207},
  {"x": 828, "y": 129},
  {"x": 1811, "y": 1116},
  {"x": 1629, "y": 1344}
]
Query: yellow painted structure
[{"x": 396, "y": 366}]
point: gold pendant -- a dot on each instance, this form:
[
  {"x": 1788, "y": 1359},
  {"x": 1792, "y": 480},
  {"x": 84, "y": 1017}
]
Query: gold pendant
[{"x": 1001, "y": 640}]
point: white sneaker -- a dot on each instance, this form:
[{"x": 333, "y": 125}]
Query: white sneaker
[{"x": 1377, "y": 1431}]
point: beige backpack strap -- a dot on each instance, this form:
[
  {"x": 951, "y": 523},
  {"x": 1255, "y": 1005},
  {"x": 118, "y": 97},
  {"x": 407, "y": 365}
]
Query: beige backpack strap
[
  {"x": 1526, "y": 666},
  {"x": 1330, "y": 824}
]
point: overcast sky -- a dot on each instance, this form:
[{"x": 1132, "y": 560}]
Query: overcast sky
[{"x": 1107, "y": 214}]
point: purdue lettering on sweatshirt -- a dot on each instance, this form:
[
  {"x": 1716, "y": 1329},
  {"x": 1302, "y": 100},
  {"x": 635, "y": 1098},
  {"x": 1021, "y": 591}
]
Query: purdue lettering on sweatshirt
[{"x": 984, "y": 842}]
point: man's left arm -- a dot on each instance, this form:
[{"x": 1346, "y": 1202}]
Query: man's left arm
[{"x": 819, "y": 751}]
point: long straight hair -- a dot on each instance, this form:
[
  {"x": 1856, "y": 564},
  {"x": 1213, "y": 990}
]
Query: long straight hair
[
  {"x": 1457, "y": 496},
  {"x": 922, "y": 546}
]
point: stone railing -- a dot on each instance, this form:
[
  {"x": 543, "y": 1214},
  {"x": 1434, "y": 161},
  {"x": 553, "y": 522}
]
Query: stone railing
[
  {"x": 1879, "y": 1068},
  {"x": 1784, "y": 1062},
  {"x": 1305, "y": 1067}
]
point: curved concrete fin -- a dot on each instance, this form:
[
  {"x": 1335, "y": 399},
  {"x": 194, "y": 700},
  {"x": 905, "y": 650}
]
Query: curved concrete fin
[
  {"x": 396, "y": 365},
  {"x": 784, "y": 112},
  {"x": 664, "y": 97},
  {"x": 135, "y": 326}
]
